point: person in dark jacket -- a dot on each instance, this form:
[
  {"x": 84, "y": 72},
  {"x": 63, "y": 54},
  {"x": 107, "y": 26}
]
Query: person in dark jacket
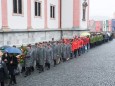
[
  {"x": 12, "y": 67},
  {"x": 5, "y": 58},
  {"x": 3, "y": 70}
]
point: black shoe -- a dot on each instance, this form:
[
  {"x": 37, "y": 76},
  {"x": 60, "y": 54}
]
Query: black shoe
[
  {"x": 15, "y": 82},
  {"x": 11, "y": 84},
  {"x": 40, "y": 71},
  {"x": 25, "y": 75},
  {"x": 48, "y": 68}
]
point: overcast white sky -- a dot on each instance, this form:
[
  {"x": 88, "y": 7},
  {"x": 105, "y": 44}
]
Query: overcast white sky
[{"x": 102, "y": 8}]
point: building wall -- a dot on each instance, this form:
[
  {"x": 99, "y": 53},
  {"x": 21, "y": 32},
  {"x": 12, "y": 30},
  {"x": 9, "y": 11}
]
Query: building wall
[
  {"x": 0, "y": 16},
  {"x": 98, "y": 26},
  {"x": 19, "y": 38},
  {"x": 76, "y": 13},
  {"x": 17, "y": 21},
  {"x": 104, "y": 25},
  {"x": 28, "y": 37},
  {"x": 91, "y": 25},
  {"x": 67, "y": 14},
  {"x": 113, "y": 24},
  {"x": 20, "y": 22},
  {"x": 52, "y": 23},
  {"x": 37, "y": 22},
  {"x": 110, "y": 25}
]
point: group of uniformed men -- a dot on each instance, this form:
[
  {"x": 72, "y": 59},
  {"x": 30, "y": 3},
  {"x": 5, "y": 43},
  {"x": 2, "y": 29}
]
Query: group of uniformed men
[{"x": 47, "y": 54}]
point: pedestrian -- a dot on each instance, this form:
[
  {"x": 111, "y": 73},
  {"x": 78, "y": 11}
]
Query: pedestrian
[
  {"x": 22, "y": 58},
  {"x": 64, "y": 52},
  {"x": 41, "y": 58},
  {"x": 61, "y": 46},
  {"x": 49, "y": 56},
  {"x": 79, "y": 46},
  {"x": 76, "y": 47},
  {"x": 55, "y": 50},
  {"x": 88, "y": 42},
  {"x": 28, "y": 61},
  {"x": 5, "y": 58},
  {"x": 59, "y": 50},
  {"x": 3, "y": 71},
  {"x": 13, "y": 63},
  {"x": 34, "y": 56},
  {"x": 37, "y": 58},
  {"x": 68, "y": 50}
]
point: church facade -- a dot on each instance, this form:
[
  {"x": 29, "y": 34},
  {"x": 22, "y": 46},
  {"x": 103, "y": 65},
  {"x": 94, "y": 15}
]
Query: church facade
[{"x": 31, "y": 21}]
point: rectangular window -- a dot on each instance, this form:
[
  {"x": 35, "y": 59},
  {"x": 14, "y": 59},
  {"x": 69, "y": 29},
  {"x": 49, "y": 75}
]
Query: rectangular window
[
  {"x": 14, "y": 6},
  {"x": 52, "y": 11},
  {"x": 37, "y": 8},
  {"x": 20, "y": 6},
  {"x": 17, "y": 6}
]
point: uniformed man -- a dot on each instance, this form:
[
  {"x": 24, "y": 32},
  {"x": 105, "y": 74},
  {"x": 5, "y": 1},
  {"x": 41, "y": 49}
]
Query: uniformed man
[
  {"x": 41, "y": 58},
  {"x": 34, "y": 56},
  {"x": 68, "y": 50},
  {"x": 58, "y": 52},
  {"x": 37, "y": 58},
  {"x": 64, "y": 52},
  {"x": 55, "y": 50},
  {"x": 49, "y": 56}
]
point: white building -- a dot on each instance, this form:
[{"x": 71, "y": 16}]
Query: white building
[{"x": 31, "y": 21}]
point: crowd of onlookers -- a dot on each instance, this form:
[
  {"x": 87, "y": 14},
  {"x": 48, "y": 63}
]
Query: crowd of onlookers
[{"x": 44, "y": 55}]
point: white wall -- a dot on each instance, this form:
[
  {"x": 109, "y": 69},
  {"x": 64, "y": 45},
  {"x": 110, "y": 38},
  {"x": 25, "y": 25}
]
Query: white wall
[
  {"x": 52, "y": 23},
  {"x": 83, "y": 24},
  {"x": 26, "y": 38},
  {"x": 16, "y": 21},
  {"x": 0, "y": 15},
  {"x": 37, "y": 22},
  {"x": 67, "y": 13}
]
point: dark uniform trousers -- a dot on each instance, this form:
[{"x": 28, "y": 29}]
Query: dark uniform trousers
[
  {"x": 28, "y": 71},
  {"x": 55, "y": 63},
  {"x": 47, "y": 65},
  {"x": 2, "y": 83}
]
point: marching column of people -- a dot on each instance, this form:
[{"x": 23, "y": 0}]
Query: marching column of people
[
  {"x": 47, "y": 54},
  {"x": 43, "y": 56}
]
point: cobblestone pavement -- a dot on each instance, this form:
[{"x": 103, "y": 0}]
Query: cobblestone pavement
[{"x": 94, "y": 68}]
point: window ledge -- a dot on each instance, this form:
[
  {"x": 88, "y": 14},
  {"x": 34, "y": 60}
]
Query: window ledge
[
  {"x": 53, "y": 18},
  {"x": 37, "y": 16},
  {"x": 17, "y": 14}
]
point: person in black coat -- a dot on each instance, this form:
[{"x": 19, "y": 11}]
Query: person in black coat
[
  {"x": 5, "y": 58},
  {"x": 12, "y": 66},
  {"x": 3, "y": 70}
]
